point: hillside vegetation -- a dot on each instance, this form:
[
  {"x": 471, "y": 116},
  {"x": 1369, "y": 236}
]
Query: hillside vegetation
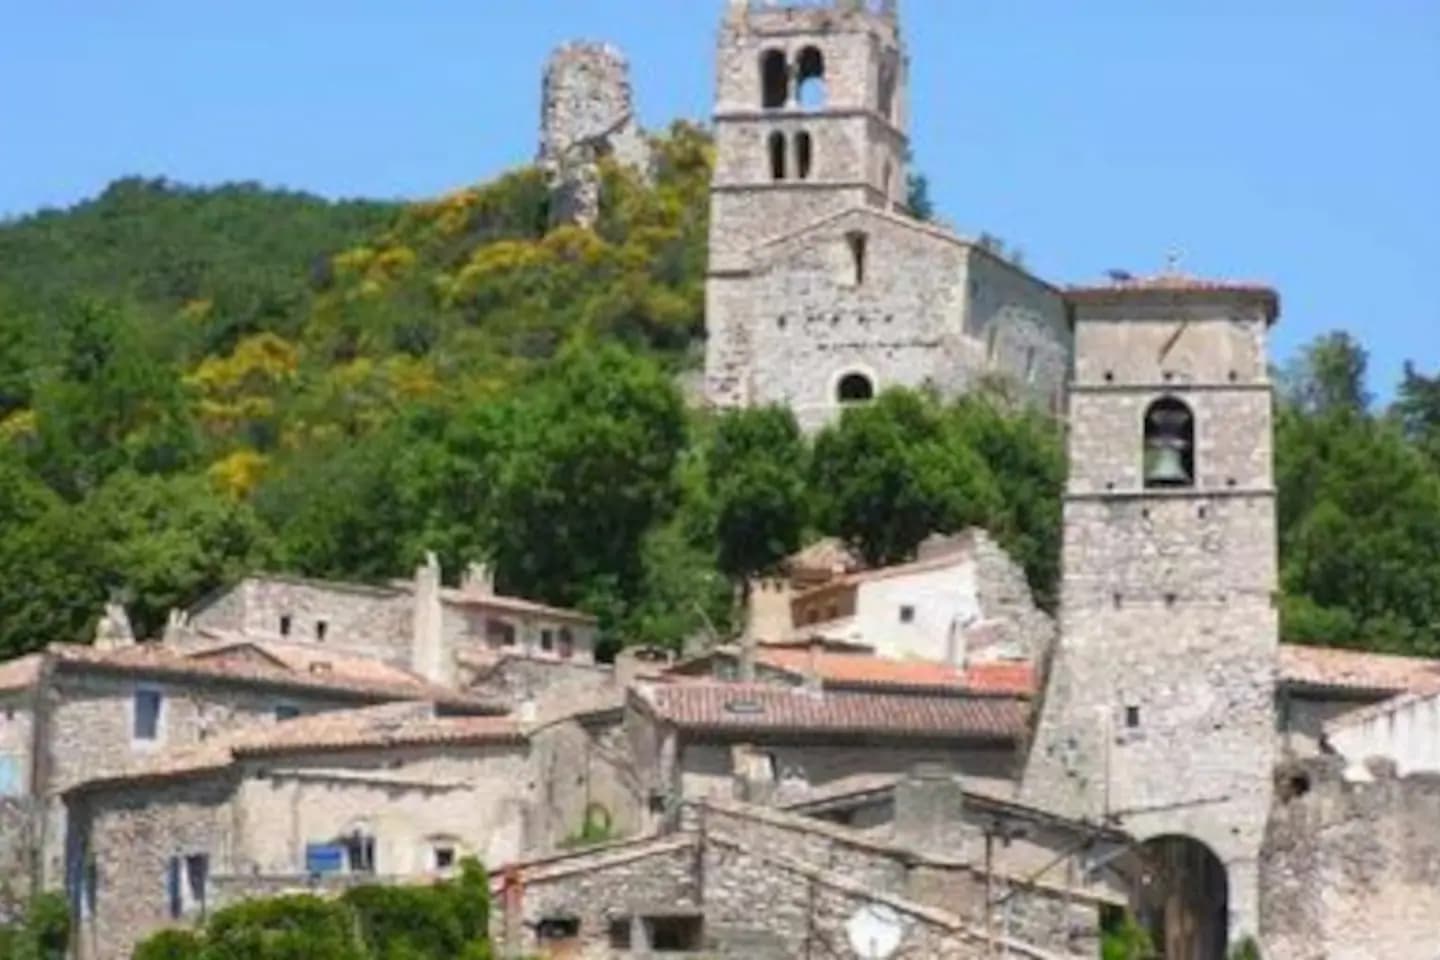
[{"x": 199, "y": 382}]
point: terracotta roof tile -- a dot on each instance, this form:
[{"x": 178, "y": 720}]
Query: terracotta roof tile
[
  {"x": 866, "y": 670},
  {"x": 1336, "y": 669},
  {"x": 494, "y": 601},
  {"x": 20, "y": 673},
  {"x": 759, "y": 708},
  {"x": 317, "y": 673}
]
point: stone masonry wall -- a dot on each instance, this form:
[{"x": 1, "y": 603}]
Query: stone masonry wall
[
  {"x": 16, "y": 854},
  {"x": 366, "y": 621},
  {"x": 132, "y": 839},
  {"x": 1352, "y": 869}
]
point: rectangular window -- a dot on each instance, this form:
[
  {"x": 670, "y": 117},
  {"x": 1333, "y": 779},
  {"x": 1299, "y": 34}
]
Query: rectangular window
[
  {"x": 11, "y": 775},
  {"x": 1132, "y": 717},
  {"x": 197, "y": 877},
  {"x": 444, "y": 857},
  {"x": 321, "y": 628},
  {"x": 360, "y": 853},
  {"x": 285, "y": 625},
  {"x": 148, "y": 704},
  {"x": 286, "y": 711},
  {"x": 907, "y": 614},
  {"x": 567, "y": 643},
  {"x": 499, "y": 634},
  {"x": 547, "y": 640}
]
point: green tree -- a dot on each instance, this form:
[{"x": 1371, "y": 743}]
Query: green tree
[
  {"x": 43, "y": 932},
  {"x": 891, "y": 472},
  {"x": 301, "y": 927},
  {"x": 1328, "y": 376},
  {"x": 587, "y": 466},
  {"x": 757, "y": 471},
  {"x": 1417, "y": 405}
]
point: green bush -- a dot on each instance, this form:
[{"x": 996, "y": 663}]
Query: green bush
[
  {"x": 446, "y": 921},
  {"x": 43, "y": 934}
]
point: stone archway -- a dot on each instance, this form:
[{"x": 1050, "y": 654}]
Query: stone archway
[{"x": 1183, "y": 899}]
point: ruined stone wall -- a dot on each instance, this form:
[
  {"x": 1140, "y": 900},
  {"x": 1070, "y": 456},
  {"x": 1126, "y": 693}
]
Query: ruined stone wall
[
  {"x": 550, "y": 684},
  {"x": 1006, "y": 600},
  {"x": 1352, "y": 869},
  {"x": 588, "y": 113},
  {"x": 132, "y": 834}
]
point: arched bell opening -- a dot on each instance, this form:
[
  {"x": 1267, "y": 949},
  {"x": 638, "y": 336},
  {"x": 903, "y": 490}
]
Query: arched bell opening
[
  {"x": 1169, "y": 444},
  {"x": 1183, "y": 899},
  {"x": 774, "y": 80}
]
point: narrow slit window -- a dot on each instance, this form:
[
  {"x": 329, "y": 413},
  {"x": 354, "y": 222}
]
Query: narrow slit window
[
  {"x": 804, "y": 148},
  {"x": 858, "y": 244},
  {"x": 777, "y": 156},
  {"x": 321, "y": 628}
]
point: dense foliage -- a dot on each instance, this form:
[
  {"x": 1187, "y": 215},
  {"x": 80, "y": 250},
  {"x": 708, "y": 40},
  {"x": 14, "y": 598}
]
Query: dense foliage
[
  {"x": 446, "y": 921},
  {"x": 43, "y": 933},
  {"x": 201, "y": 382}
]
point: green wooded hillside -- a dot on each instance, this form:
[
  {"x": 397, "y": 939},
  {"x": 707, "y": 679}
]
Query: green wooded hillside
[{"x": 198, "y": 382}]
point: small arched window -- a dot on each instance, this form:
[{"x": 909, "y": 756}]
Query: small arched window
[
  {"x": 1169, "y": 444},
  {"x": 774, "y": 79},
  {"x": 855, "y": 388},
  {"x": 887, "y": 90},
  {"x": 810, "y": 79},
  {"x": 803, "y": 155},
  {"x": 777, "y": 156}
]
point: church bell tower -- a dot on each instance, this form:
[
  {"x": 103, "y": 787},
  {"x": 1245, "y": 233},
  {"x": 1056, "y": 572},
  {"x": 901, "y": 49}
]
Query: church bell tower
[
  {"x": 1158, "y": 715},
  {"x": 809, "y": 120}
]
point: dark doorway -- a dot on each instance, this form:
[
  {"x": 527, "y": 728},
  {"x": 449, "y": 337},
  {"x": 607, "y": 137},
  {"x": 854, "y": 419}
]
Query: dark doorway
[{"x": 1184, "y": 899}]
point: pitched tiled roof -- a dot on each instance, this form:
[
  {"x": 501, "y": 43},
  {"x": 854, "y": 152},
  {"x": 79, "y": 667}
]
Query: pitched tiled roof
[
  {"x": 373, "y": 680},
  {"x": 1357, "y": 671},
  {"x": 19, "y": 673},
  {"x": 494, "y": 601},
  {"x": 926, "y": 565},
  {"x": 867, "y": 670},
  {"x": 389, "y": 725},
  {"x": 762, "y": 708},
  {"x": 1174, "y": 283}
]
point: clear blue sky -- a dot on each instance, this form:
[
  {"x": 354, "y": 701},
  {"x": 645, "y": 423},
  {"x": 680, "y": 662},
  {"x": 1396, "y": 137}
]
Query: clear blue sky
[{"x": 1294, "y": 141}]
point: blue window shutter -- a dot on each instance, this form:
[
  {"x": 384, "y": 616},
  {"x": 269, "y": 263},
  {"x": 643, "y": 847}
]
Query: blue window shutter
[
  {"x": 9, "y": 776},
  {"x": 173, "y": 888}
]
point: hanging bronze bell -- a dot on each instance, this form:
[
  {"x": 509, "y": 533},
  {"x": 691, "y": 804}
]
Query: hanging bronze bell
[{"x": 1165, "y": 462}]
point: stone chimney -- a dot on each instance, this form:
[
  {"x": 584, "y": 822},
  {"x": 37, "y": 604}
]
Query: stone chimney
[
  {"x": 114, "y": 630},
  {"x": 478, "y": 580},
  {"x": 930, "y": 810},
  {"x": 814, "y": 678},
  {"x": 428, "y": 653}
]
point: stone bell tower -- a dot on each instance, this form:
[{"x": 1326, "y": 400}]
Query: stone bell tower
[
  {"x": 809, "y": 121},
  {"x": 1158, "y": 715}
]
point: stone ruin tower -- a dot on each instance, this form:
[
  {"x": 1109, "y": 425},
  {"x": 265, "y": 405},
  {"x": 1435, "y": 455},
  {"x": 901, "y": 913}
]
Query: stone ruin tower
[
  {"x": 1158, "y": 715},
  {"x": 588, "y": 113}
]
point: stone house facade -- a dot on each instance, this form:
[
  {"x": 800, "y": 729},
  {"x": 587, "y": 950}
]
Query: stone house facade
[
  {"x": 822, "y": 290},
  {"x": 962, "y": 599},
  {"x": 700, "y": 740},
  {"x": 393, "y": 791}
]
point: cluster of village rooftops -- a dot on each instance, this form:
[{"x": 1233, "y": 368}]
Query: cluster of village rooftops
[{"x": 286, "y": 733}]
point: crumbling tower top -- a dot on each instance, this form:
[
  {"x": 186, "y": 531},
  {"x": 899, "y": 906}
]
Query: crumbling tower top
[{"x": 587, "y": 113}]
